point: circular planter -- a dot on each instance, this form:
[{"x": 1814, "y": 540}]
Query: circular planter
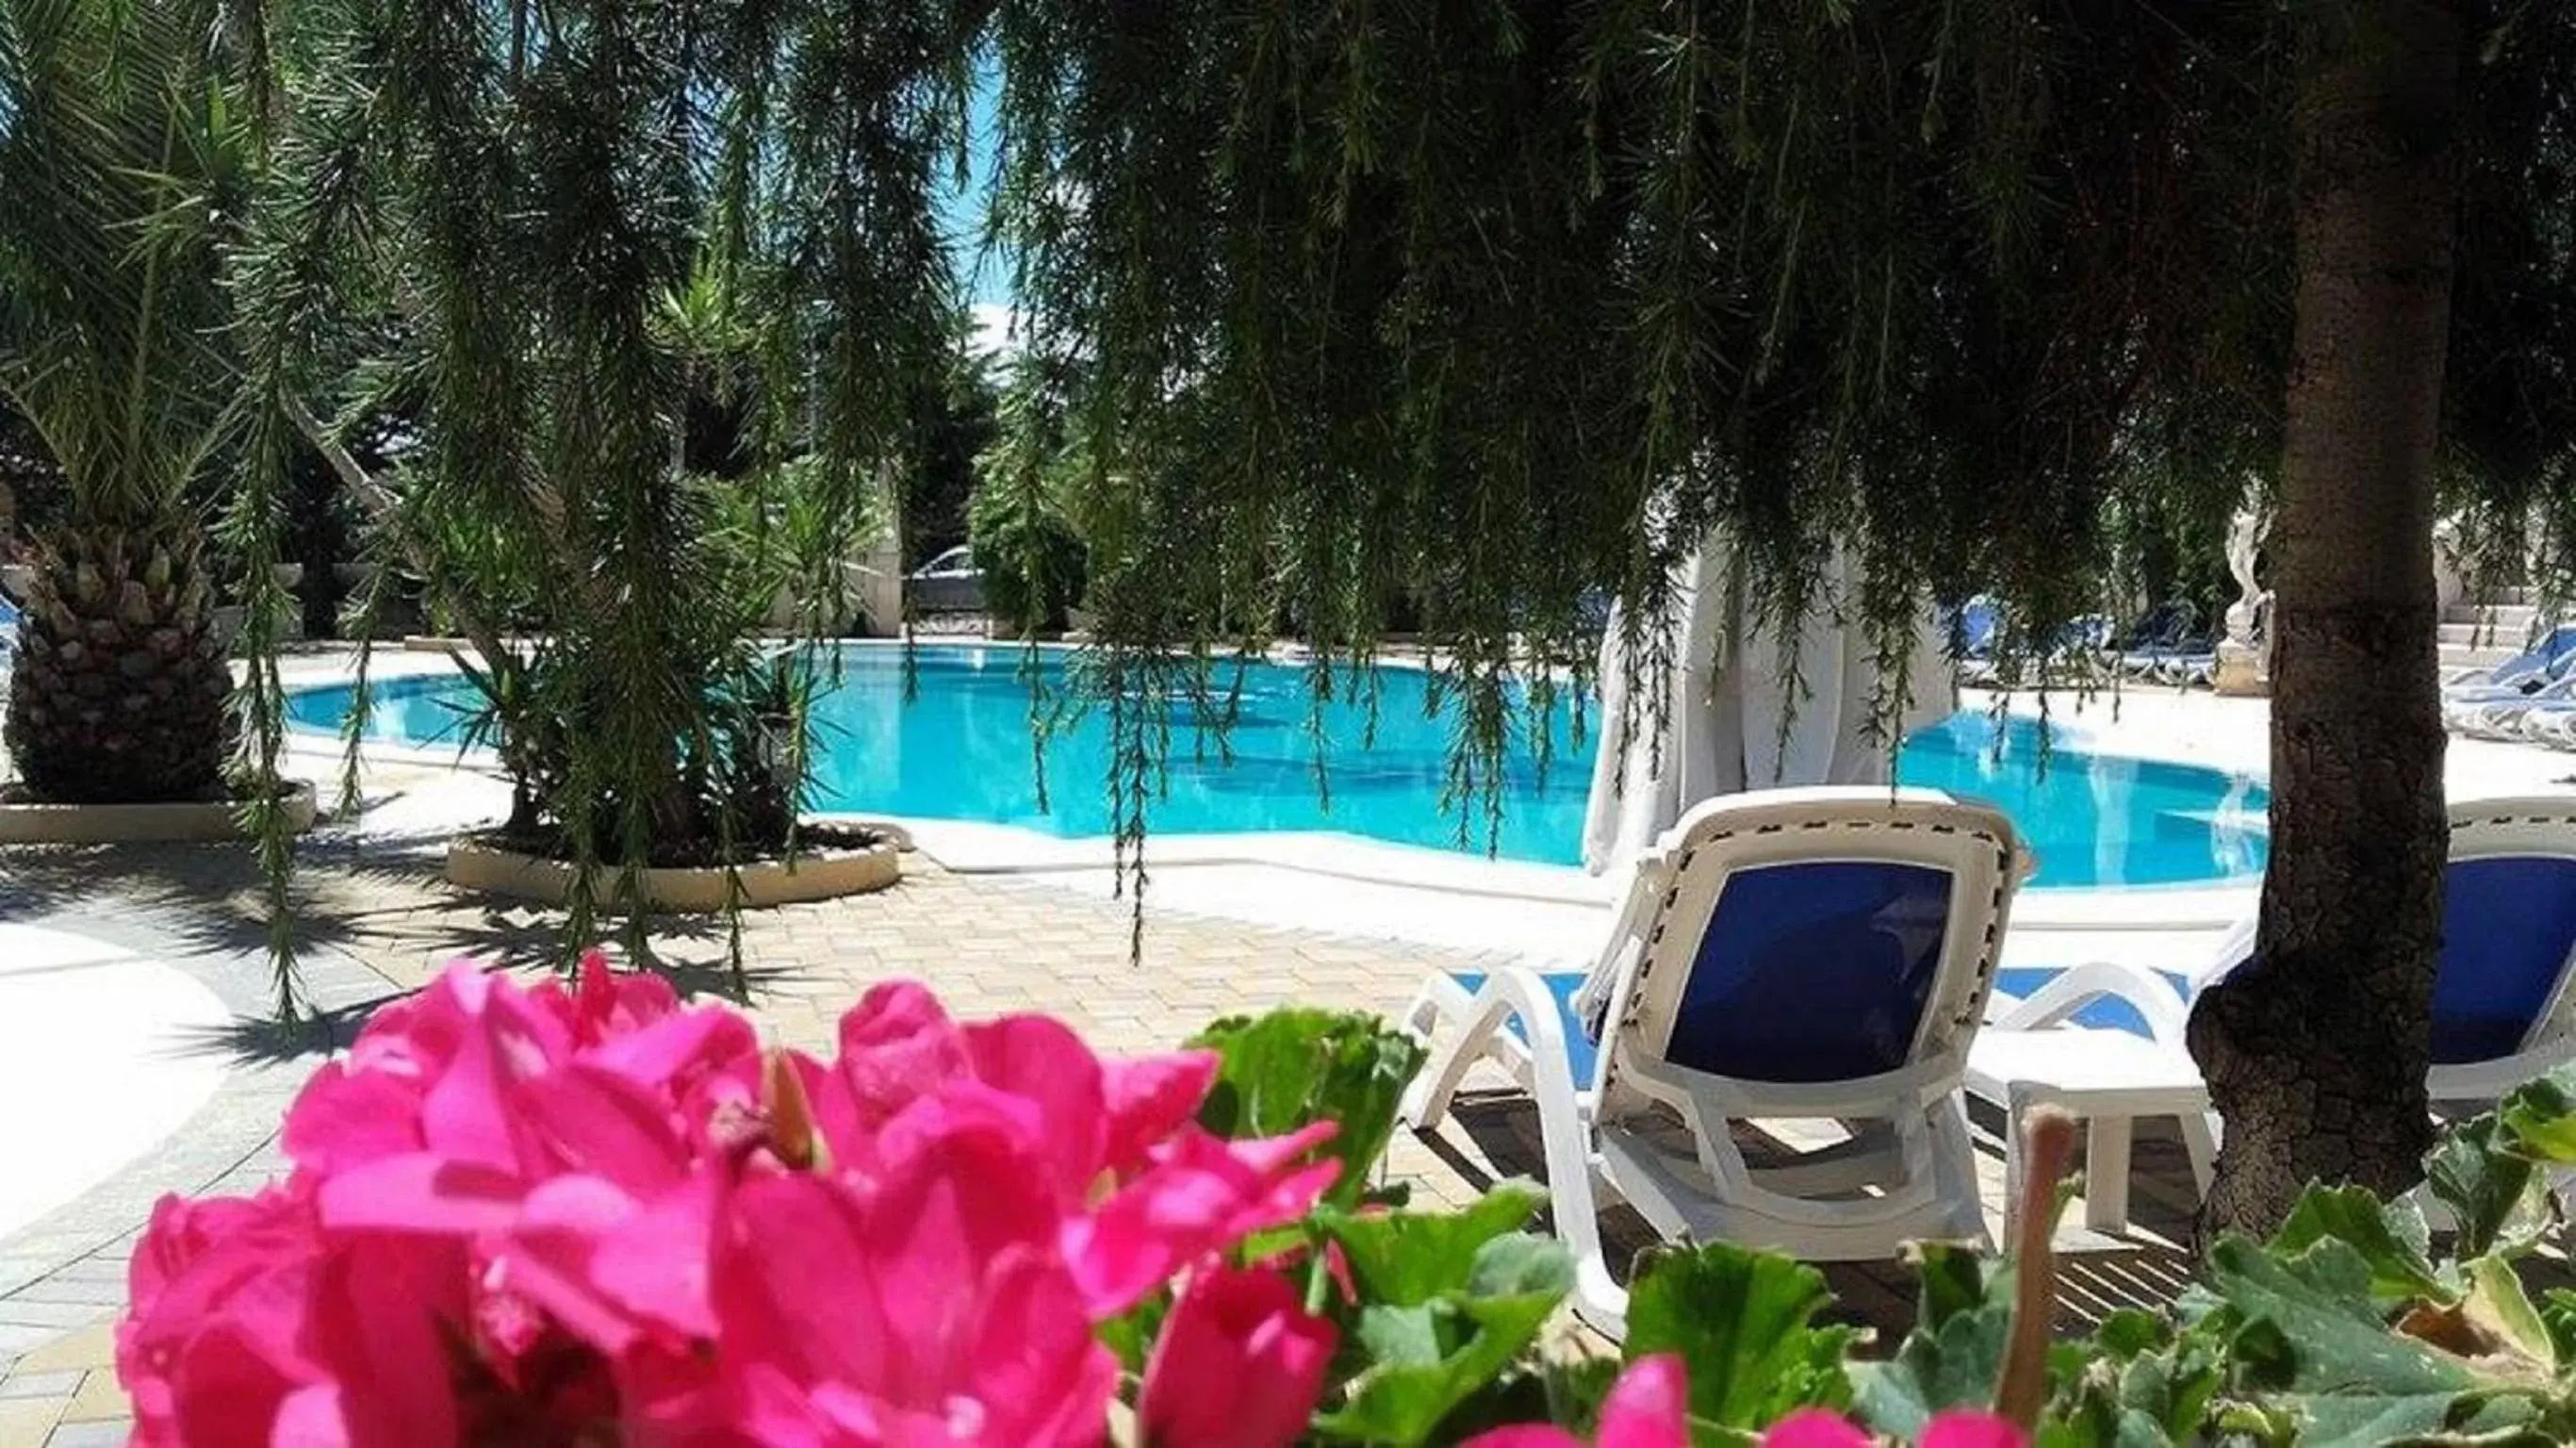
[
  {"x": 474, "y": 864},
  {"x": 168, "y": 822}
]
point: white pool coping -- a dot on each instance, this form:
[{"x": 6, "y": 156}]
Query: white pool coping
[{"x": 1347, "y": 884}]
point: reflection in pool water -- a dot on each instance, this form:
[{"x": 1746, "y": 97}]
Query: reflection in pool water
[{"x": 962, "y": 750}]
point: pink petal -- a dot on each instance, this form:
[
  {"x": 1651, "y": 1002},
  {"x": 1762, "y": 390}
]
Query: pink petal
[
  {"x": 1649, "y": 1407},
  {"x": 1046, "y": 1064},
  {"x": 897, "y": 1045},
  {"x": 1203, "y": 1195},
  {"x": 655, "y": 1263},
  {"x": 677, "y": 1050},
  {"x": 421, "y": 1192},
  {"x": 547, "y": 1259},
  {"x": 791, "y": 1281},
  {"x": 1269, "y": 1153},
  {"x": 343, "y": 1118},
  {"x": 1149, "y": 1099},
  {"x": 463, "y": 1117},
  {"x": 383, "y": 1312},
  {"x": 589, "y": 1120},
  {"x": 311, "y": 1418},
  {"x": 607, "y": 1004},
  {"x": 1039, "y": 1376},
  {"x": 1239, "y": 1363},
  {"x": 225, "y": 1391}
]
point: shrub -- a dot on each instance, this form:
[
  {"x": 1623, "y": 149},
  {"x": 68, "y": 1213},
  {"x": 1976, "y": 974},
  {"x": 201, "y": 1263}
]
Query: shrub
[{"x": 591, "y": 1215}]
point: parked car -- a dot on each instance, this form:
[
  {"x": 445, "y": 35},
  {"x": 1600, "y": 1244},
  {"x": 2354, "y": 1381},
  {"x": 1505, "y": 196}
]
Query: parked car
[{"x": 949, "y": 583}]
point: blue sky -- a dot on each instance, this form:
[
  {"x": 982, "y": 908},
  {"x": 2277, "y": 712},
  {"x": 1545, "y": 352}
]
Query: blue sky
[{"x": 962, "y": 210}]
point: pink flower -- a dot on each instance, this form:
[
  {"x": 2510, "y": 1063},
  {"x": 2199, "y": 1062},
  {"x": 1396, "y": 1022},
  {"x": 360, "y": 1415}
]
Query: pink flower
[
  {"x": 1199, "y": 1195},
  {"x": 217, "y": 1313},
  {"x": 1143, "y": 1190},
  {"x": 898, "y": 1047},
  {"x": 553, "y": 1214},
  {"x": 246, "y": 1322},
  {"x": 1239, "y": 1364},
  {"x": 1648, "y": 1408},
  {"x": 928, "y": 1308},
  {"x": 413, "y": 1280}
]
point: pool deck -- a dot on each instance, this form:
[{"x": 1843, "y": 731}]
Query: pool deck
[{"x": 996, "y": 919}]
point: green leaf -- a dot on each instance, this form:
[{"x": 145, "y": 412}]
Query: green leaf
[
  {"x": 2331, "y": 1329},
  {"x": 1290, "y": 1068},
  {"x": 2539, "y": 1118},
  {"x": 2495, "y": 1196},
  {"x": 2367, "y": 1422},
  {"x": 2558, "y": 1314},
  {"x": 2497, "y": 1303},
  {"x": 1427, "y": 1359},
  {"x": 1521, "y": 1264},
  {"x": 1953, "y": 1280},
  {"x": 2390, "y": 1237},
  {"x": 1743, "y": 1324},
  {"x": 2129, "y": 1331},
  {"x": 1408, "y": 1257},
  {"x": 1955, "y": 1365},
  {"x": 2310, "y": 1324}
]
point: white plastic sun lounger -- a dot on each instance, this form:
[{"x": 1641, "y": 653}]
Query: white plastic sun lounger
[
  {"x": 2552, "y": 726},
  {"x": 1786, "y": 955},
  {"x": 2501, "y": 1005},
  {"x": 2504, "y": 717}
]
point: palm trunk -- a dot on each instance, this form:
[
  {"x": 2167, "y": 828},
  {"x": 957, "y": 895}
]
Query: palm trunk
[{"x": 2316, "y": 1051}]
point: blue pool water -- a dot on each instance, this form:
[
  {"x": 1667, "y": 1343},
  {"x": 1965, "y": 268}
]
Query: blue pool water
[{"x": 961, "y": 750}]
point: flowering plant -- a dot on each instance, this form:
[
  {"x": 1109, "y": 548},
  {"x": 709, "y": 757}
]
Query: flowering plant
[{"x": 588, "y": 1214}]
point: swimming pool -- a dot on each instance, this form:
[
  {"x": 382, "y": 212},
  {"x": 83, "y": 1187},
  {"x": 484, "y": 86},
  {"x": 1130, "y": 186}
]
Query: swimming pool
[{"x": 962, "y": 750}]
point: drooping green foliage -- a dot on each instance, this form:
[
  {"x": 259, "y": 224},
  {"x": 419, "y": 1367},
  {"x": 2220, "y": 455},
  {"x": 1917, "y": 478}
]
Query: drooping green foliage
[
  {"x": 658, "y": 285},
  {"x": 1494, "y": 305}
]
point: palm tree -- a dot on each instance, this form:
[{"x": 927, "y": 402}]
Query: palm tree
[{"x": 119, "y": 155}]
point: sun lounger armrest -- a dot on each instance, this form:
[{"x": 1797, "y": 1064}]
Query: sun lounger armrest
[
  {"x": 2076, "y": 987},
  {"x": 2486, "y": 1080}
]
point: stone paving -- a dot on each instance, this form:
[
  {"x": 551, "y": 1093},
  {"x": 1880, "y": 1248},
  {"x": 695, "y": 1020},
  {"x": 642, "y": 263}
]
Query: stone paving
[{"x": 377, "y": 922}]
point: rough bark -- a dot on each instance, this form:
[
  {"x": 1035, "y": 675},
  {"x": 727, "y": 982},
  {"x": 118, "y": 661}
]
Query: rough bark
[{"x": 2316, "y": 1051}]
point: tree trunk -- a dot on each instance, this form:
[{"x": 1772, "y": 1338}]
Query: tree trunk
[{"x": 2316, "y": 1051}]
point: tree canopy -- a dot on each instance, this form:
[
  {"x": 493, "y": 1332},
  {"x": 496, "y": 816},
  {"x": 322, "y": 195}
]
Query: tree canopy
[{"x": 1509, "y": 301}]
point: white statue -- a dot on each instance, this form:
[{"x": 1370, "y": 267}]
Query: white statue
[
  {"x": 2244, "y": 536},
  {"x": 2245, "y": 655}
]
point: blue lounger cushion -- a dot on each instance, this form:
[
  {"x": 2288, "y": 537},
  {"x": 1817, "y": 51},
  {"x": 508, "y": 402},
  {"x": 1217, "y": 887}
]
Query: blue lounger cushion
[
  {"x": 1813, "y": 971},
  {"x": 2509, "y": 924}
]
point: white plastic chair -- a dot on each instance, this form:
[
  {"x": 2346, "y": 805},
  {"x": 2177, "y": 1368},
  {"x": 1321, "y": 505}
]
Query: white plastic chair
[
  {"x": 2504, "y": 1007},
  {"x": 1809, "y": 954}
]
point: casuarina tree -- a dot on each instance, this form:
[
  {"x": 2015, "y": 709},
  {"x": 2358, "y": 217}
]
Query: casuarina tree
[{"x": 660, "y": 285}]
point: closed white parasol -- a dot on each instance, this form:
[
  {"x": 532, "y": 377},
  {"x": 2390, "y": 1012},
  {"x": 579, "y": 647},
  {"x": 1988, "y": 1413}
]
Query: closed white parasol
[{"x": 1736, "y": 720}]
